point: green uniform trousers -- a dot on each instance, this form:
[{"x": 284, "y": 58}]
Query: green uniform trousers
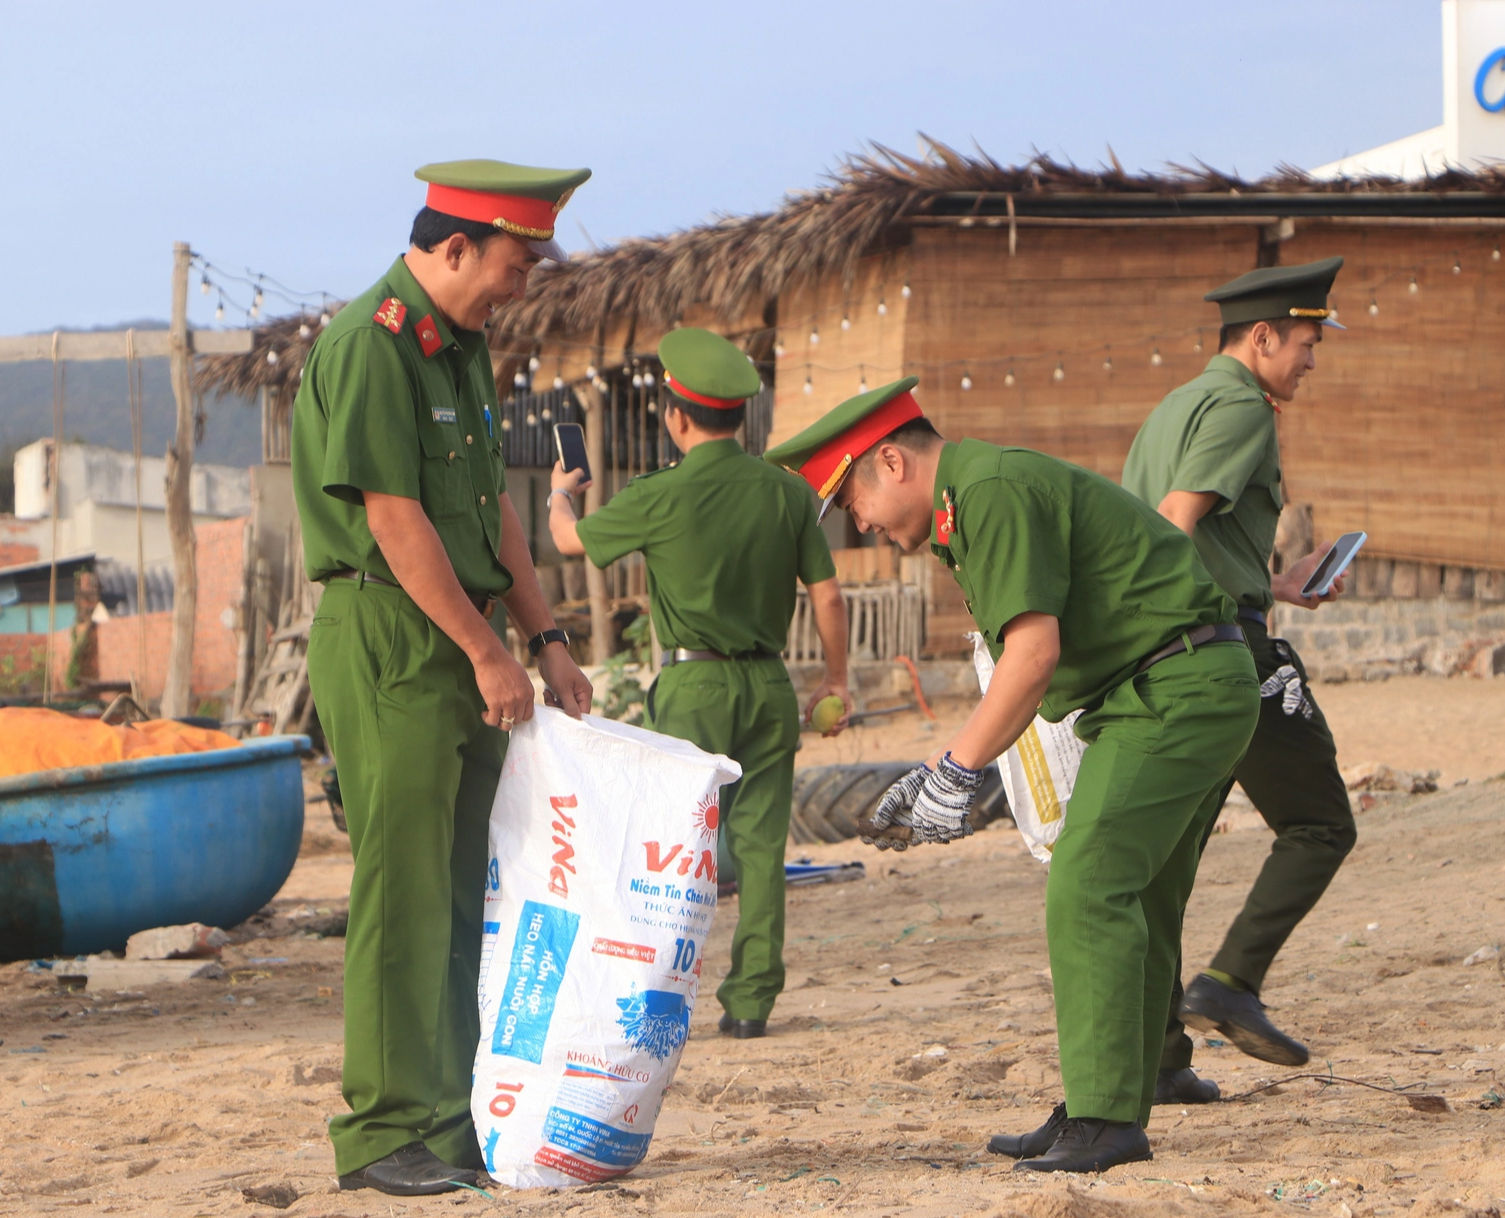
[
  {"x": 745, "y": 709},
  {"x": 418, "y": 771},
  {"x": 1291, "y": 774},
  {"x": 1160, "y": 748}
]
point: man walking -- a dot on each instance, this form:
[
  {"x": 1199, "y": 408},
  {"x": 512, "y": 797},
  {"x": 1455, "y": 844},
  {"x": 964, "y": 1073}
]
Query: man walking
[
  {"x": 1208, "y": 457},
  {"x": 725, "y": 536},
  {"x": 398, "y": 477},
  {"x": 1088, "y": 600}
]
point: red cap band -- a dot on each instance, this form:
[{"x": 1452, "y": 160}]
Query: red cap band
[
  {"x": 836, "y": 456},
  {"x": 516, "y": 214},
  {"x": 701, "y": 399}
]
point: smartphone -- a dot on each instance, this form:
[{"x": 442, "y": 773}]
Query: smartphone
[
  {"x": 1333, "y": 564},
  {"x": 569, "y": 439}
]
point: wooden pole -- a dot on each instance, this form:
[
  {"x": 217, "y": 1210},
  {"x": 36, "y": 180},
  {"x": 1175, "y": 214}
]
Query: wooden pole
[
  {"x": 176, "y": 694},
  {"x": 595, "y": 578}
]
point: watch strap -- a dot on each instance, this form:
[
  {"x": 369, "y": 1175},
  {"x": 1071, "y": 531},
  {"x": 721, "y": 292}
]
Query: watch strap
[{"x": 544, "y": 637}]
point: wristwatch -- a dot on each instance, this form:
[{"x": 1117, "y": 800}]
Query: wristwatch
[{"x": 544, "y": 637}]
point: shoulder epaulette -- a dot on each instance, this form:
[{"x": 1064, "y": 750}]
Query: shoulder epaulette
[{"x": 391, "y": 314}]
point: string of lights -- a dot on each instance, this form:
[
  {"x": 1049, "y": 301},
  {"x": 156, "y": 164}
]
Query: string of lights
[{"x": 214, "y": 278}]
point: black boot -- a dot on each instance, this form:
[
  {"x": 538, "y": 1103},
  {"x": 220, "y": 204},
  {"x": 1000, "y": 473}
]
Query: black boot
[
  {"x": 743, "y": 1029},
  {"x": 1036, "y": 1142},
  {"x": 1184, "y": 1087},
  {"x": 1087, "y": 1144},
  {"x": 1210, "y": 1006},
  {"x": 411, "y": 1171}
]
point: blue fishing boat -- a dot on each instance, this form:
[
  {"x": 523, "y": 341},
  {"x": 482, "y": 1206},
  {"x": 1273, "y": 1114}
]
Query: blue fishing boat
[{"x": 91, "y": 854}]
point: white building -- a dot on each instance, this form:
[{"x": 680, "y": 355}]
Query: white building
[
  {"x": 1472, "y": 135},
  {"x": 97, "y": 500}
]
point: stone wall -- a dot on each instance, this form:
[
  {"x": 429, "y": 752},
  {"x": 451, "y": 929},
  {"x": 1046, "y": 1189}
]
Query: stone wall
[{"x": 1403, "y": 617}]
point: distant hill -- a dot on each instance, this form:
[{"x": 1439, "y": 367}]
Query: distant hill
[{"x": 97, "y": 411}]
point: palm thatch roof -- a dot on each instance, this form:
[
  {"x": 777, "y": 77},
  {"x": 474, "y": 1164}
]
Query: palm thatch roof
[
  {"x": 741, "y": 264},
  {"x": 279, "y": 348}
]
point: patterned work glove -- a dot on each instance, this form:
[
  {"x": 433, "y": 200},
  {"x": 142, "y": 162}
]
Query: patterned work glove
[
  {"x": 895, "y": 810},
  {"x": 940, "y": 809}
]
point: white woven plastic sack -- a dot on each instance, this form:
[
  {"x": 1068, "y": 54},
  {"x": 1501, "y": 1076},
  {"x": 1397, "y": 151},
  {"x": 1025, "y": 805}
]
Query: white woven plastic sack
[
  {"x": 600, "y": 891},
  {"x": 1039, "y": 771}
]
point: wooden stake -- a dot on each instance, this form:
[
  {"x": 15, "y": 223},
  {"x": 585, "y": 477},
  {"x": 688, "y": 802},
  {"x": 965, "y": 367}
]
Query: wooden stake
[
  {"x": 595, "y": 578},
  {"x": 177, "y": 692}
]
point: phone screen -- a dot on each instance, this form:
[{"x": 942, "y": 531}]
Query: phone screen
[
  {"x": 1333, "y": 564},
  {"x": 569, "y": 438}
]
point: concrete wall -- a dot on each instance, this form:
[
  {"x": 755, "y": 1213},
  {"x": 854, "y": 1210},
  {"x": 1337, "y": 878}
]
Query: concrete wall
[{"x": 1403, "y": 617}]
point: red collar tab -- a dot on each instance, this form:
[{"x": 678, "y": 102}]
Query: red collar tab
[
  {"x": 945, "y": 519},
  {"x": 1269, "y": 401},
  {"x": 826, "y": 467},
  {"x": 428, "y": 335},
  {"x": 701, "y": 399},
  {"x": 391, "y": 314},
  {"x": 516, "y": 214}
]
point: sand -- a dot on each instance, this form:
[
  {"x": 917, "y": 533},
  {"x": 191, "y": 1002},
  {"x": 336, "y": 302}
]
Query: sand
[{"x": 917, "y": 1022}]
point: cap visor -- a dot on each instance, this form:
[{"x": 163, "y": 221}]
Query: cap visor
[
  {"x": 549, "y": 249},
  {"x": 826, "y": 505},
  {"x": 1331, "y": 324}
]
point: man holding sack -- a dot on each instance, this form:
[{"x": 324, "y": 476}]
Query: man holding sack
[{"x": 1088, "y": 599}]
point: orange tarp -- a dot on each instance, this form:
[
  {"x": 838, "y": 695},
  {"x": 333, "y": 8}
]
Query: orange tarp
[{"x": 34, "y": 739}]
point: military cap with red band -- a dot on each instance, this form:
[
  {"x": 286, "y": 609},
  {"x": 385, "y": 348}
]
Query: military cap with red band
[
  {"x": 706, "y": 369},
  {"x": 517, "y": 199},
  {"x": 823, "y": 454}
]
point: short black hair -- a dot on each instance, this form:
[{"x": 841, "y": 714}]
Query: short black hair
[
  {"x": 431, "y": 228},
  {"x": 915, "y": 435},
  {"x": 1282, "y": 326},
  {"x": 709, "y": 418}
]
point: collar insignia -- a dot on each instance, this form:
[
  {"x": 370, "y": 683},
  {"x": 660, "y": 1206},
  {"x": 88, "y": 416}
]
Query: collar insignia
[
  {"x": 945, "y": 519},
  {"x": 428, "y": 335},
  {"x": 391, "y": 314},
  {"x": 1269, "y": 401}
]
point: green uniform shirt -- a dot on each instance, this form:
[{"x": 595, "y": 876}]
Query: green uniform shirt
[
  {"x": 399, "y": 413},
  {"x": 724, "y": 536},
  {"x": 1217, "y": 433},
  {"x": 1035, "y": 534}
]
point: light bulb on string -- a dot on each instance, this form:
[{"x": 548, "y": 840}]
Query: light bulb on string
[
  {"x": 966, "y": 379},
  {"x": 626, "y": 371},
  {"x": 254, "y": 310},
  {"x": 637, "y": 380},
  {"x": 259, "y": 298},
  {"x": 219, "y": 311},
  {"x": 1060, "y": 373},
  {"x": 533, "y": 363},
  {"x": 862, "y": 379},
  {"x": 1008, "y": 378},
  {"x": 1108, "y": 363},
  {"x": 905, "y": 290},
  {"x": 532, "y": 419},
  {"x": 809, "y": 385},
  {"x": 520, "y": 380},
  {"x": 1457, "y": 265},
  {"x": 648, "y": 379},
  {"x": 271, "y": 357},
  {"x": 324, "y": 318},
  {"x": 558, "y": 381},
  {"x": 204, "y": 286},
  {"x": 778, "y": 350},
  {"x": 1495, "y": 256},
  {"x": 546, "y": 413},
  {"x": 1413, "y": 287},
  {"x": 591, "y": 373},
  {"x": 846, "y": 322},
  {"x": 1197, "y": 346},
  {"x": 652, "y": 406},
  {"x": 1155, "y": 358},
  {"x": 506, "y": 424},
  {"x": 882, "y": 307},
  {"x": 304, "y": 331},
  {"x": 1374, "y": 307},
  {"x": 814, "y": 337}
]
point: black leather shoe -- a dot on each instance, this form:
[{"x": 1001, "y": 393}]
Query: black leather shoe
[
  {"x": 1210, "y": 1006},
  {"x": 411, "y": 1171},
  {"x": 1184, "y": 1087},
  {"x": 1036, "y": 1142},
  {"x": 743, "y": 1029},
  {"x": 1087, "y": 1144}
]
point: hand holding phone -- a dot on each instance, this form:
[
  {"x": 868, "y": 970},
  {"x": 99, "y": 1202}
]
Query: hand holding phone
[
  {"x": 569, "y": 440},
  {"x": 1336, "y": 561}
]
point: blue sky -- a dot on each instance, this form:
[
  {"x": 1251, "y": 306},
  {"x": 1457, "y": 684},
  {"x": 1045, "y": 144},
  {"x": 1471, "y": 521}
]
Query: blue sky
[{"x": 282, "y": 137}]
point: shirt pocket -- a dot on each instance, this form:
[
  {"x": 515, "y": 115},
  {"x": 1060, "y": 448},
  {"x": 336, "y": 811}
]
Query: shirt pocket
[{"x": 444, "y": 480}]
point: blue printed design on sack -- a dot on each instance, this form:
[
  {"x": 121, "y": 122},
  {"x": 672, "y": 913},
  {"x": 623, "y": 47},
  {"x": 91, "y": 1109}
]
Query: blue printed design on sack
[
  {"x": 583, "y": 1135},
  {"x": 655, "y": 1021},
  {"x": 540, "y": 951}
]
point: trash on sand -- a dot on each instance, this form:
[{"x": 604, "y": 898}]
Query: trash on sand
[
  {"x": 1372, "y": 776},
  {"x": 1428, "y": 1103},
  {"x": 192, "y": 940},
  {"x": 806, "y": 872},
  {"x": 1481, "y": 955},
  {"x": 279, "y": 1196},
  {"x": 100, "y": 973}
]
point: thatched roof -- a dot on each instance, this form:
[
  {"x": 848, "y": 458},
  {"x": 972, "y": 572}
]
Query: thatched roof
[
  {"x": 278, "y": 349},
  {"x": 738, "y": 265}
]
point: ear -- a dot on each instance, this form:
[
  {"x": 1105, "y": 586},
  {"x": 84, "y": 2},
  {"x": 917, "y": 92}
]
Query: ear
[
  {"x": 892, "y": 460},
  {"x": 454, "y": 250}
]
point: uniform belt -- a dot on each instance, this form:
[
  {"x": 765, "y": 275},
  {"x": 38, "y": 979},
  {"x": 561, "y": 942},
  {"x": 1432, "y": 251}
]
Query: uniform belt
[
  {"x": 1225, "y": 632},
  {"x": 484, "y": 602},
  {"x": 1247, "y": 613},
  {"x": 681, "y": 654}
]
